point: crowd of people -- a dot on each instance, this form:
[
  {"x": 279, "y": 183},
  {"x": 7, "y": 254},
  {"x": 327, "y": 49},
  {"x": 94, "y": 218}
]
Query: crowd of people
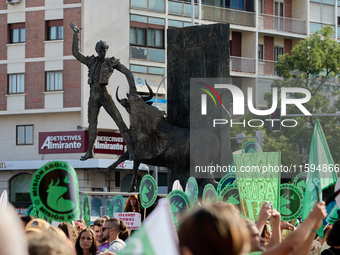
[{"x": 216, "y": 228}]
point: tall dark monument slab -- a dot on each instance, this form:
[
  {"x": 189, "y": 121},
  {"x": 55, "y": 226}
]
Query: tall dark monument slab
[{"x": 196, "y": 52}]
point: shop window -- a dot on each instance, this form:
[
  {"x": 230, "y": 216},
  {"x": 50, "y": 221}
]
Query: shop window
[{"x": 19, "y": 190}]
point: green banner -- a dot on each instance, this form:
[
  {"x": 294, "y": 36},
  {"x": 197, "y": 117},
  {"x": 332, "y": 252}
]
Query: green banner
[
  {"x": 191, "y": 189},
  {"x": 55, "y": 192},
  {"x": 117, "y": 205},
  {"x": 258, "y": 181},
  {"x": 148, "y": 191},
  {"x": 86, "y": 211}
]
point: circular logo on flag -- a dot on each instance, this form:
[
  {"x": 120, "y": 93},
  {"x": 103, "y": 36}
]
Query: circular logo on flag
[
  {"x": 179, "y": 204},
  {"x": 291, "y": 202},
  {"x": 191, "y": 189},
  {"x": 231, "y": 195},
  {"x": 55, "y": 192},
  {"x": 251, "y": 147},
  {"x": 86, "y": 211},
  {"x": 148, "y": 191},
  {"x": 117, "y": 205},
  {"x": 300, "y": 181},
  {"x": 209, "y": 194},
  {"x": 227, "y": 181},
  {"x": 30, "y": 210}
]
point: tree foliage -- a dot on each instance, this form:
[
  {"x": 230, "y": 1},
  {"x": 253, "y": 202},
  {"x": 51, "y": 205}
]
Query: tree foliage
[{"x": 312, "y": 64}]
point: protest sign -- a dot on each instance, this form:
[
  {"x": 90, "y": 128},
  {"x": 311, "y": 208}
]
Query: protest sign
[
  {"x": 55, "y": 192},
  {"x": 291, "y": 202},
  {"x": 258, "y": 181},
  {"x": 177, "y": 185},
  {"x": 231, "y": 195},
  {"x": 132, "y": 220},
  {"x": 148, "y": 191},
  {"x": 86, "y": 210},
  {"x": 179, "y": 205},
  {"x": 209, "y": 194},
  {"x": 191, "y": 189},
  {"x": 227, "y": 181},
  {"x": 116, "y": 205},
  {"x": 30, "y": 210},
  {"x": 251, "y": 147},
  {"x": 300, "y": 181}
]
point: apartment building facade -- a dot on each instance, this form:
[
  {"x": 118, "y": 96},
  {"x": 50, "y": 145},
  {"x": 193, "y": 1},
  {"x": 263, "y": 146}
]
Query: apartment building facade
[{"x": 44, "y": 90}]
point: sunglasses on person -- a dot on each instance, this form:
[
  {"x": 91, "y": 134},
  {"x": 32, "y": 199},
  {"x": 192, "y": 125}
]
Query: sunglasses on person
[{"x": 103, "y": 229}]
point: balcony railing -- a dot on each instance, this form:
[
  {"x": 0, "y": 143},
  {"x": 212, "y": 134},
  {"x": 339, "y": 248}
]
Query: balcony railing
[
  {"x": 239, "y": 64},
  {"x": 282, "y": 24},
  {"x": 148, "y": 54},
  {"x": 150, "y": 5},
  {"x": 181, "y": 8},
  {"x": 231, "y": 16},
  {"x": 266, "y": 67}
]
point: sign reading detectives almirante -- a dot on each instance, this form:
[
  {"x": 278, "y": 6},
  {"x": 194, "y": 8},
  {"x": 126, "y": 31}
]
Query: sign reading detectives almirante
[{"x": 77, "y": 142}]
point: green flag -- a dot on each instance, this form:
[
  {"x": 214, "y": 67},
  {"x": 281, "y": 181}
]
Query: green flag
[
  {"x": 156, "y": 236},
  {"x": 320, "y": 174},
  {"x": 333, "y": 216}
]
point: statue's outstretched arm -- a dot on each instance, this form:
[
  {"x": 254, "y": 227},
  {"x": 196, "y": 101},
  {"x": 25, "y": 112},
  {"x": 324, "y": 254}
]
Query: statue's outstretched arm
[
  {"x": 129, "y": 76},
  {"x": 75, "y": 45}
]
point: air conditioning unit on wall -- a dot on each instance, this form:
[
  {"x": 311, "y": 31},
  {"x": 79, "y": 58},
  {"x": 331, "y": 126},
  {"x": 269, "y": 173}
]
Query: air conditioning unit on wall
[{"x": 13, "y": 1}]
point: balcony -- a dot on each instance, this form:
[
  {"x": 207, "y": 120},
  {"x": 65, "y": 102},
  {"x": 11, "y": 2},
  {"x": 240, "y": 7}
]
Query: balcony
[
  {"x": 266, "y": 67},
  {"x": 282, "y": 24},
  {"x": 181, "y": 8},
  {"x": 232, "y": 16},
  {"x": 244, "y": 65},
  {"x": 149, "y": 5},
  {"x": 148, "y": 54}
]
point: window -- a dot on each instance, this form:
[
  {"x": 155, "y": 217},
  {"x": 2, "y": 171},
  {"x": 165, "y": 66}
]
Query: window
[
  {"x": 54, "y": 81},
  {"x": 147, "y": 39},
  {"x": 277, "y": 51},
  {"x": 147, "y": 36},
  {"x": 16, "y": 83},
  {"x": 19, "y": 190},
  {"x": 25, "y": 135},
  {"x": 117, "y": 179},
  {"x": 246, "y": 5},
  {"x": 260, "y": 52},
  {"x": 137, "y": 35},
  {"x": 54, "y": 30},
  {"x": 321, "y": 13},
  {"x": 17, "y": 33}
]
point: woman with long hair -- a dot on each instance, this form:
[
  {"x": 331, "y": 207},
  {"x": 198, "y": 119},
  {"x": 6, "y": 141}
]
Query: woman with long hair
[
  {"x": 132, "y": 204},
  {"x": 86, "y": 243}
]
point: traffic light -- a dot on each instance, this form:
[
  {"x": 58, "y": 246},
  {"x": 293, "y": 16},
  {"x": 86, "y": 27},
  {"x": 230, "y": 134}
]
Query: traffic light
[{"x": 276, "y": 125}]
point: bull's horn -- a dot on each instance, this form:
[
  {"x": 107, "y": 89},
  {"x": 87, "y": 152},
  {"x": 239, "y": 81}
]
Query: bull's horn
[
  {"x": 150, "y": 96},
  {"x": 119, "y": 101}
]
